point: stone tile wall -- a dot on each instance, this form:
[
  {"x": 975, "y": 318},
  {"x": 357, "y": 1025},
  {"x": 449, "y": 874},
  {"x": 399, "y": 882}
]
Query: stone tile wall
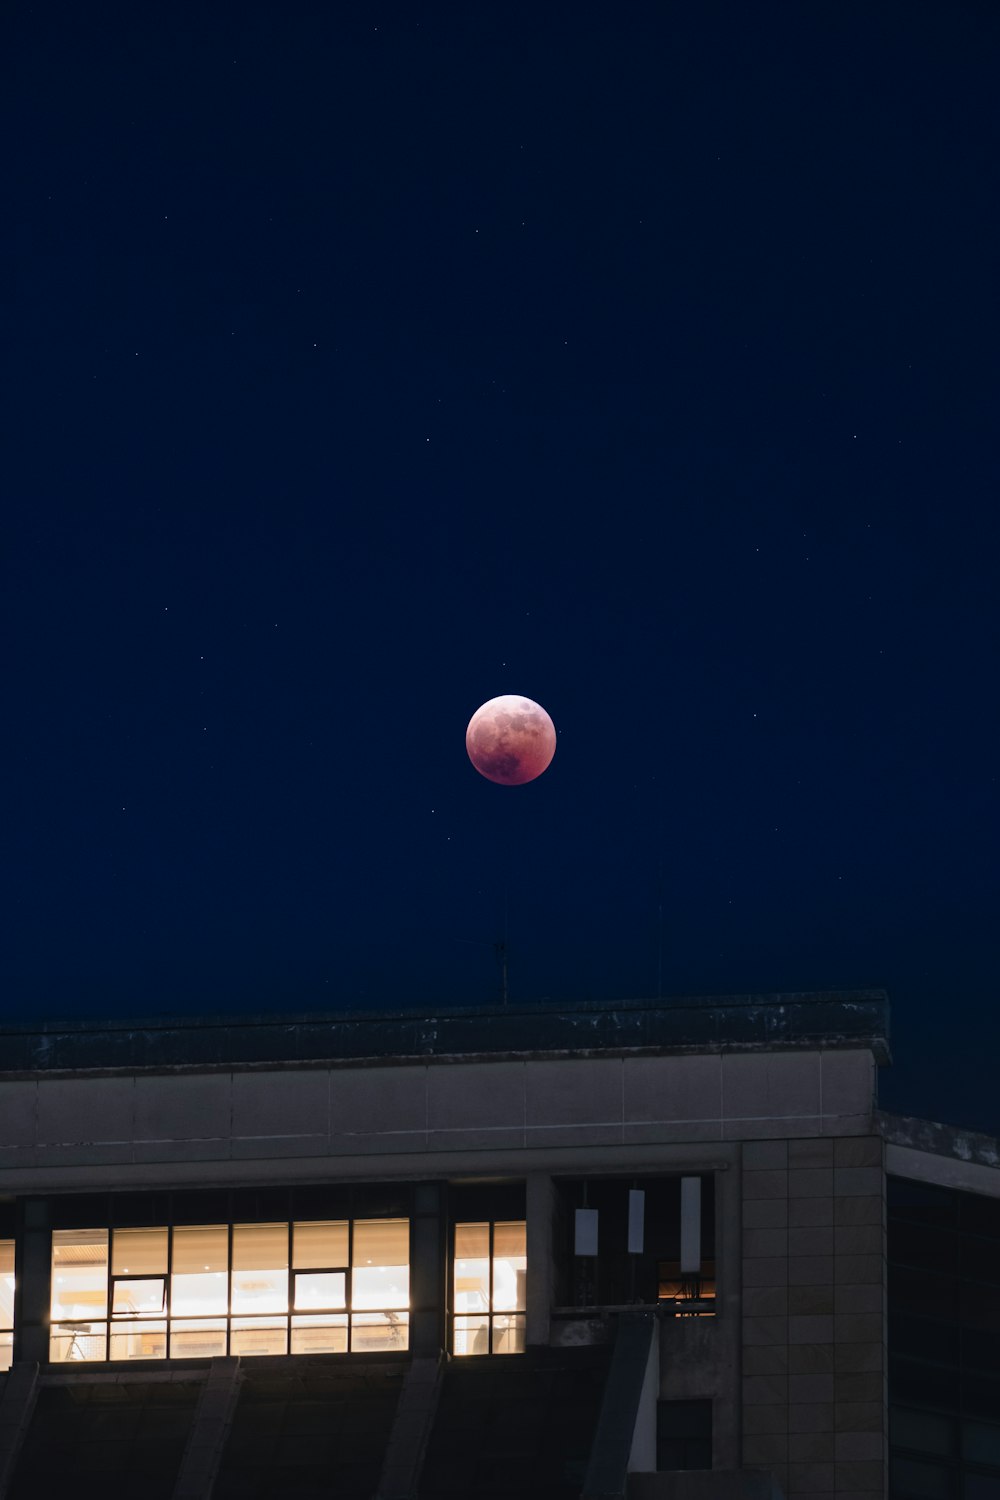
[{"x": 814, "y": 1401}]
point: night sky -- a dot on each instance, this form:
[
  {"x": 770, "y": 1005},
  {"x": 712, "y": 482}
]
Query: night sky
[{"x": 362, "y": 362}]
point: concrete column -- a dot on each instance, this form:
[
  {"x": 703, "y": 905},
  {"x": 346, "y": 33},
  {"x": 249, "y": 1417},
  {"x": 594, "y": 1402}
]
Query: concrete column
[
  {"x": 541, "y": 1218},
  {"x": 860, "y": 1413},
  {"x": 813, "y": 1315},
  {"x": 642, "y": 1456},
  {"x": 411, "y": 1428},
  {"x": 428, "y": 1268},
  {"x": 617, "y": 1445},
  {"x": 207, "y": 1439},
  {"x": 729, "y": 1281},
  {"x": 16, "y": 1407},
  {"x": 34, "y": 1271}
]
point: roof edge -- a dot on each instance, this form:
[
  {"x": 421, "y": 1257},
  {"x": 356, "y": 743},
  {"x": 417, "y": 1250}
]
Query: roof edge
[
  {"x": 238, "y": 1019},
  {"x": 938, "y": 1139},
  {"x": 786, "y": 1022}
]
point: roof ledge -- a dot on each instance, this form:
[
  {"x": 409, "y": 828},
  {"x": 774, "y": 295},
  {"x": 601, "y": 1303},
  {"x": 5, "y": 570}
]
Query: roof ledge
[{"x": 940, "y": 1140}]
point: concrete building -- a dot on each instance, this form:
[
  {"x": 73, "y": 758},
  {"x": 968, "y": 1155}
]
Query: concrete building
[{"x": 659, "y": 1249}]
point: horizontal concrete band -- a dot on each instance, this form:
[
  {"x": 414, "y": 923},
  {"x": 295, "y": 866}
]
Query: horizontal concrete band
[
  {"x": 178, "y": 1172},
  {"x": 433, "y": 1108},
  {"x": 945, "y": 1171}
]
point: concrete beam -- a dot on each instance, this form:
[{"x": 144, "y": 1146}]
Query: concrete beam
[
  {"x": 618, "y": 1440},
  {"x": 411, "y": 1429},
  {"x": 209, "y": 1431}
]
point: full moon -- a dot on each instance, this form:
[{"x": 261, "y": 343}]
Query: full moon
[{"x": 510, "y": 740}]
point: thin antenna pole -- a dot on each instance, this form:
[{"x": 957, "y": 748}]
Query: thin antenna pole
[
  {"x": 506, "y": 942},
  {"x": 659, "y": 944},
  {"x": 659, "y": 891},
  {"x": 503, "y": 950}
]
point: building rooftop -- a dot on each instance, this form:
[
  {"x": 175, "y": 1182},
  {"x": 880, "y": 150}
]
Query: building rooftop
[
  {"x": 933, "y": 1138},
  {"x": 768, "y": 1022}
]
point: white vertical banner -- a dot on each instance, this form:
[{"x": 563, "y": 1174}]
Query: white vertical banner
[
  {"x": 690, "y": 1226},
  {"x": 636, "y": 1221},
  {"x": 585, "y": 1239}
]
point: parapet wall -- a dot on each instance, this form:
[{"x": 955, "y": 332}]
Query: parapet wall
[{"x": 143, "y": 1128}]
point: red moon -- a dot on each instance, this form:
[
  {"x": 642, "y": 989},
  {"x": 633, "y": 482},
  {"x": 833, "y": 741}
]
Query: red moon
[{"x": 510, "y": 740}]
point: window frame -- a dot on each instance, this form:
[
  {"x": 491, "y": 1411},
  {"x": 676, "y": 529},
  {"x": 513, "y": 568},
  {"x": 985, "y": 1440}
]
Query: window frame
[
  {"x": 7, "y": 1349},
  {"x": 491, "y": 1314},
  {"x": 235, "y": 1320},
  {"x": 117, "y": 1281},
  {"x": 688, "y": 1444}
]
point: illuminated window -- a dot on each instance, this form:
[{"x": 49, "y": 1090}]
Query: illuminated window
[
  {"x": 198, "y": 1291},
  {"x": 380, "y": 1284},
  {"x": 79, "y": 1308},
  {"x": 655, "y": 1242},
  {"x": 139, "y": 1294},
  {"x": 260, "y": 1289},
  {"x": 489, "y": 1279},
  {"x": 6, "y": 1303},
  {"x": 321, "y": 1258},
  {"x": 692, "y": 1295}
]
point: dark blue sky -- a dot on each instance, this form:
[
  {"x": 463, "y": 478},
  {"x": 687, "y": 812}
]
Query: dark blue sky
[{"x": 363, "y": 362}]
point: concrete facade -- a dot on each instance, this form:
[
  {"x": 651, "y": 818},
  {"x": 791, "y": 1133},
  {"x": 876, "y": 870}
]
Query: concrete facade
[
  {"x": 779, "y": 1114},
  {"x": 64, "y": 1132},
  {"x": 814, "y": 1367}
]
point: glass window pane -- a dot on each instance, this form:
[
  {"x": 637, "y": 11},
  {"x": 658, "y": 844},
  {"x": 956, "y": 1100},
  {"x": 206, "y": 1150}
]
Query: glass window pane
[
  {"x": 200, "y": 1280},
  {"x": 508, "y": 1334},
  {"x": 379, "y": 1332},
  {"x": 381, "y": 1242},
  {"x": 319, "y": 1246},
  {"x": 926, "y": 1431},
  {"x": 980, "y": 1396},
  {"x": 509, "y": 1267},
  {"x": 928, "y": 1481},
  {"x": 204, "y": 1339},
  {"x": 318, "y": 1289},
  {"x": 258, "y": 1247},
  {"x": 319, "y": 1335},
  {"x": 82, "y": 1341},
  {"x": 381, "y": 1270},
  {"x": 982, "y": 1486},
  {"x": 139, "y": 1252},
  {"x": 472, "y": 1335},
  {"x": 139, "y": 1340},
  {"x": 6, "y": 1284},
  {"x": 200, "y": 1248},
  {"x": 981, "y": 1443},
  {"x": 511, "y": 1239},
  {"x": 79, "y": 1274},
  {"x": 472, "y": 1241},
  {"x": 260, "y": 1268},
  {"x": 6, "y": 1350},
  {"x": 472, "y": 1269},
  {"x": 258, "y": 1336},
  {"x": 137, "y": 1297}
]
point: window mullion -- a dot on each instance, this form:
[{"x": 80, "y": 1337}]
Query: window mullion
[
  {"x": 350, "y": 1286},
  {"x": 492, "y": 1229},
  {"x": 229, "y": 1284},
  {"x": 169, "y": 1309},
  {"x": 111, "y": 1291},
  {"x": 452, "y": 1256}
]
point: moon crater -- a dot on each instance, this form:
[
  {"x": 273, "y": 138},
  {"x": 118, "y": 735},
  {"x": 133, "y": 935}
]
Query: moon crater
[{"x": 510, "y": 740}]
